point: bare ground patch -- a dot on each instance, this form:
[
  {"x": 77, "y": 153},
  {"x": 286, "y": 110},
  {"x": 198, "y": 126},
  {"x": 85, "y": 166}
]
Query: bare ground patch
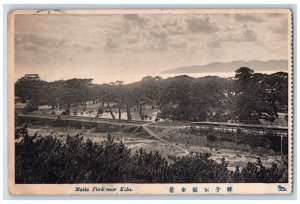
[{"x": 173, "y": 142}]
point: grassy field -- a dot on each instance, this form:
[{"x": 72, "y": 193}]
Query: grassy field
[{"x": 175, "y": 142}]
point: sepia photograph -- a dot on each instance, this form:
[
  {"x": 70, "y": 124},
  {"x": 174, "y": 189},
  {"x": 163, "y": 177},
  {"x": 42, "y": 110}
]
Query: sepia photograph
[{"x": 178, "y": 101}]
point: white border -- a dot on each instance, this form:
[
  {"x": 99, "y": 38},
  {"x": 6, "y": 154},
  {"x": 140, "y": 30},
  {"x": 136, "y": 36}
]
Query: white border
[{"x": 173, "y": 2}]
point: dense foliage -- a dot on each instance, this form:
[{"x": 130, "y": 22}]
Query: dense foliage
[
  {"x": 48, "y": 160},
  {"x": 246, "y": 97},
  {"x": 259, "y": 93}
]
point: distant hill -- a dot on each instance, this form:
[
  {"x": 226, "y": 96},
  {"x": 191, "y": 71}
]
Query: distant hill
[{"x": 256, "y": 65}]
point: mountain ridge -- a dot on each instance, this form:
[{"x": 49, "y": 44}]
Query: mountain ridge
[{"x": 256, "y": 65}]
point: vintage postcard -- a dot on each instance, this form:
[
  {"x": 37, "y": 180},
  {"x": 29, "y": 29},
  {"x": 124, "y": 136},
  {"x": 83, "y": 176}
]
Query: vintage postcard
[{"x": 143, "y": 101}]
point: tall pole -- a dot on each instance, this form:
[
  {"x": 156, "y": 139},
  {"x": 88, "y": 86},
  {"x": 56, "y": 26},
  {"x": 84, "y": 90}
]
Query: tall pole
[
  {"x": 57, "y": 104},
  {"x": 97, "y": 109},
  {"x": 281, "y": 138},
  {"x": 90, "y": 108}
]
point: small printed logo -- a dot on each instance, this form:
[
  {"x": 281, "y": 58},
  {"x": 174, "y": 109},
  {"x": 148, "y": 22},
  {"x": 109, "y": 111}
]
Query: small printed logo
[{"x": 281, "y": 188}]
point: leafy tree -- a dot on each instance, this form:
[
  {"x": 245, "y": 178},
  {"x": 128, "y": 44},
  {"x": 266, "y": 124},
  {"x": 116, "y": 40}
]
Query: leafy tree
[{"x": 245, "y": 98}]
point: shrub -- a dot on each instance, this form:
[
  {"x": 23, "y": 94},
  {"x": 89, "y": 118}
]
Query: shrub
[
  {"x": 49, "y": 160},
  {"x": 30, "y": 107},
  {"x": 257, "y": 172},
  {"x": 211, "y": 137}
]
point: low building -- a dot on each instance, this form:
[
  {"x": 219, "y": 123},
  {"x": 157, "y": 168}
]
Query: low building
[
  {"x": 44, "y": 107},
  {"x": 31, "y": 77}
]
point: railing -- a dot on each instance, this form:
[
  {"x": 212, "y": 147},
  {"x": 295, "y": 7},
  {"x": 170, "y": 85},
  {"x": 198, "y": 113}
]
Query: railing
[{"x": 241, "y": 125}]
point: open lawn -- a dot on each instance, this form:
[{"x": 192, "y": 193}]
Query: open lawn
[{"x": 173, "y": 142}]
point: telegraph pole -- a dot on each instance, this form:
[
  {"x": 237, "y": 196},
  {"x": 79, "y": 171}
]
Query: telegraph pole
[
  {"x": 57, "y": 104},
  {"x": 281, "y": 138}
]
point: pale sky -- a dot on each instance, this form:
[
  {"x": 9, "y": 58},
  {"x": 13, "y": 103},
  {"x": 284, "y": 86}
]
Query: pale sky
[{"x": 84, "y": 46}]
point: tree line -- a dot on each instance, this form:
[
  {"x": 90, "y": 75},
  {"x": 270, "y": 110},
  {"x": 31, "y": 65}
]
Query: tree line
[{"x": 248, "y": 96}]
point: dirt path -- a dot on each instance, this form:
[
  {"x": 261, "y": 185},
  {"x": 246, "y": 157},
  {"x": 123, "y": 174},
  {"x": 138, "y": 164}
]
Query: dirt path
[{"x": 152, "y": 134}]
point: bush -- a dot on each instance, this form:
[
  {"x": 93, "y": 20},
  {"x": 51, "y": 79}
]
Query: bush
[
  {"x": 211, "y": 137},
  {"x": 48, "y": 160},
  {"x": 257, "y": 173},
  {"x": 30, "y": 107}
]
